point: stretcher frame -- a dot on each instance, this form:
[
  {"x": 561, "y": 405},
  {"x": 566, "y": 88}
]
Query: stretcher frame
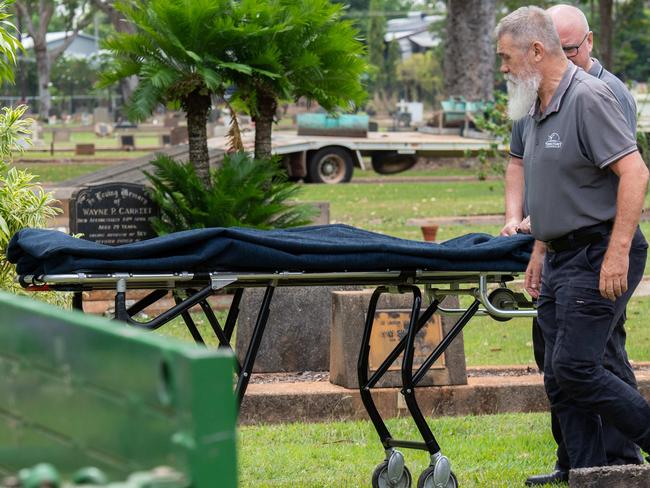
[{"x": 197, "y": 287}]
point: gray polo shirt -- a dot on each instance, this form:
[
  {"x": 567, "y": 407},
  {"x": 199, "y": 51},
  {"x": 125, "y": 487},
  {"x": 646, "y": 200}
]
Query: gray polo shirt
[
  {"x": 567, "y": 150},
  {"x": 622, "y": 94}
]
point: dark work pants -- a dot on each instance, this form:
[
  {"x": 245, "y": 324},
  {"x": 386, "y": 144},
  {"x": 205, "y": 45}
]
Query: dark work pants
[
  {"x": 577, "y": 324},
  {"x": 618, "y": 448}
]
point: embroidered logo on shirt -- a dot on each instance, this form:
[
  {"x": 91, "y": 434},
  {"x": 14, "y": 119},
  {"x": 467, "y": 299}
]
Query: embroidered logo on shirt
[{"x": 553, "y": 141}]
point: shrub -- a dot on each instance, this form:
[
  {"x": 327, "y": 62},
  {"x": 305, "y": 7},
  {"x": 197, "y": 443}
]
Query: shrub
[
  {"x": 23, "y": 203},
  {"x": 242, "y": 192}
]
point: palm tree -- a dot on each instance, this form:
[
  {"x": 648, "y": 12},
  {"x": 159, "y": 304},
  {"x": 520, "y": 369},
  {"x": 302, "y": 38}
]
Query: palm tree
[
  {"x": 179, "y": 51},
  {"x": 296, "y": 48},
  {"x": 9, "y": 44}
]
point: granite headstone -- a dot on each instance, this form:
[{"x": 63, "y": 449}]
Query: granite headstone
[{"x": 113, "y": 213}]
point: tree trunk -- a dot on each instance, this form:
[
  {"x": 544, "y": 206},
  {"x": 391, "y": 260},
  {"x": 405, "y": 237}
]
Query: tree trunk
[
  {"x": 606, "y": 33},
  {"x": 266, "y": 107},
  {"x": 469, "y": 53},
  {"x": 119, "y": 22},
  {"x": 43, "y": 70},
  {"x": 197, "y": 107}
]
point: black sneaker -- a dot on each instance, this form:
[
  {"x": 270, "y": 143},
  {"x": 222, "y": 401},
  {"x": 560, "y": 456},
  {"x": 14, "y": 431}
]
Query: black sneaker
[{"x": 556, "y": 476}]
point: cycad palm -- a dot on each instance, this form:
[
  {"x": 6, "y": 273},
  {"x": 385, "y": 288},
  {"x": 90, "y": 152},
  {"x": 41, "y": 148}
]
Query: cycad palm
[
  {"x": 302, "y": 48},
  {"x": 179, "y": 53}
]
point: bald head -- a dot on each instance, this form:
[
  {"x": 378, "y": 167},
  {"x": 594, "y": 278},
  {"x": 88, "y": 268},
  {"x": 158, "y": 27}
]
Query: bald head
[
  {"x": 568, "y": 17},
  {"x": 573, "y": 29}
]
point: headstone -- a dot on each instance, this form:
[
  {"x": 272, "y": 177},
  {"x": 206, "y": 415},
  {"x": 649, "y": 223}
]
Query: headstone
[
  {"x": 36, "y": 131},
  {"x": 178, "y": 135},
  {"x": 165, "y": 140},
  {"x": 61, "y": 135},
  {"x": 127, "y": 142},
  {"x": 113, "y": 213},
  {"x": 323, "y": 215},
  {"x": 219, "y": 130},
  {"x": 101, "y": 114},
  {"x": 171, "y": 121},
  {"x": 84, "y": 149},
  {"x": 102, "y": 129},
  {"x": 626, "y": 476},
  {"x": 297, "y": 336},
  {"x": 391, "y": 319}
]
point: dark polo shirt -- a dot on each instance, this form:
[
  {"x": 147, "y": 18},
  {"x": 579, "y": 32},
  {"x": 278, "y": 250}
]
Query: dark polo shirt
[
  {"x": 622, "y": 94},
  {"x": 567, "y": 151}
]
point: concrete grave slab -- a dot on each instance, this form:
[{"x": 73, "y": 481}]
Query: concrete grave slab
[
  {"x": 627, "y": 476},
  {"x": 348, "y": 319}
]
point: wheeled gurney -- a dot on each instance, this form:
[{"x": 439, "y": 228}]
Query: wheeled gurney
[{"x": 193, "y": 265}]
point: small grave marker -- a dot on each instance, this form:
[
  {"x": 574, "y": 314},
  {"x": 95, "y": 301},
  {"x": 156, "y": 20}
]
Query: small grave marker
[
  {"x": 127, "y": 142},
  {"x": 84, "y": 150}
]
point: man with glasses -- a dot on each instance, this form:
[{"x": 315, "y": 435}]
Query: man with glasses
[{"x": 577, "y": 42}]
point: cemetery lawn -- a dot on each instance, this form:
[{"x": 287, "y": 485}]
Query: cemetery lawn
[
  {"x": 487, "y": 342},
  {"x": 55, "y": 172},
  {"x": 491, "y": 451},
  {"x": 386, "y": 207}
]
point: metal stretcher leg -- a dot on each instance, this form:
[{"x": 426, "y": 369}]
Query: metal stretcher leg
[
  {"x": 148, "y": 300},
  {"x": 189, "y": 321},
  {"x": 439, "y": 473},
  {"x": 254, "y": 345},
  {"x": 78, "y": 301},
  {"x": 392, "y": 472}
]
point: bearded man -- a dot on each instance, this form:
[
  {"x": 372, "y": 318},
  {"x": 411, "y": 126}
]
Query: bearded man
[
  {"x": 585, "y": 187},
  {"x": 577, "y": 43}
]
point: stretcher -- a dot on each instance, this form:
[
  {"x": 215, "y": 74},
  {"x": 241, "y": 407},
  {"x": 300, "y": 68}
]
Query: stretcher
[{"x": 194, "y": 265}]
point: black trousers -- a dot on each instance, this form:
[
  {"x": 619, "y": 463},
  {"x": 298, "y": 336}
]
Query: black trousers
[
  {"x": 618, "y": 448},
  {"x": 577, "y": 325}
]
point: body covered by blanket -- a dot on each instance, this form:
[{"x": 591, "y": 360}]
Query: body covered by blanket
[{"x": 326, "y": 248}]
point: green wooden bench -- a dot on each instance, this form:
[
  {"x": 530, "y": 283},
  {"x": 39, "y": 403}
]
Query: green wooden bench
[{"x": 79, "y": 391}]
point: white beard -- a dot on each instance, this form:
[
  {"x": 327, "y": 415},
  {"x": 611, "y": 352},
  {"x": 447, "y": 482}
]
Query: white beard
[{"x": 522, "y": 94}]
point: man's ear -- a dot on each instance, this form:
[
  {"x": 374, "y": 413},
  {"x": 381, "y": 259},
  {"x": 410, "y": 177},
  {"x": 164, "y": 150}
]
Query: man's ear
[{"x": 538, "y": 51}]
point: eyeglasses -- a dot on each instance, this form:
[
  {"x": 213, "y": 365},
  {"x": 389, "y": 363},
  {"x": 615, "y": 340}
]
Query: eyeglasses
[{"x": 572, "y": 51}]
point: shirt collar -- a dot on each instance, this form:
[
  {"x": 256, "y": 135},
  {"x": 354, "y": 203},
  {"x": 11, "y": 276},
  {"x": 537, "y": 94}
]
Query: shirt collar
[
  {"x": 558, "y": 95},
  {"x": 596, "y": 68}
]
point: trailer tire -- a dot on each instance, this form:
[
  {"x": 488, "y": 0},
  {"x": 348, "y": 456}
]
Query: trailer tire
[{"x": 330, "y": 165}]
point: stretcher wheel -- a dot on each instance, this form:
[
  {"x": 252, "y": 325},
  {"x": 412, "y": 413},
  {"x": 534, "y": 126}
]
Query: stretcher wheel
[
  {"x": 503, "y": 299},
  {"x": 392, "y": 473},
  {"x": 428, "y": 480}
]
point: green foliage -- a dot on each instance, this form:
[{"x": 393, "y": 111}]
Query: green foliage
[
  {"x": 180, "y": 48},
  {"x": 9, "y": 44},
  {"x": 23, "y": 203},
  {"x": 300, "y": 49},
  {"x": 495, "y": 121},
  {"x": 643, "y": 142},
  {"x": 14, "y": 132},
  {"x": 632, "y": 40},
  {"x": 243, "y": 192},
  {"x": 420, "y": 76}
]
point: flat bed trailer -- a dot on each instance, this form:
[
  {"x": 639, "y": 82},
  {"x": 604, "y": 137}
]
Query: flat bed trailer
[{"x": 332, "y": 159}]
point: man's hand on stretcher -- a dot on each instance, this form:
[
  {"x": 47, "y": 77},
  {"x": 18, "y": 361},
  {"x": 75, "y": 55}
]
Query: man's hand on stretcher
[{"x": 513, "y": 227}]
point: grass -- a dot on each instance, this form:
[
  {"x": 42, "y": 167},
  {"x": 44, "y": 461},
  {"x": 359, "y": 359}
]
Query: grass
[
  {"x": 441, "y": 171},
  {"x": 386, "y": 207},
  {"x": 54, "y": 173},
  {"x": 63, "y": 156},
  {"x": 487, "y": 342},
  {"x": 142, "y": 139},
  {"x": 498, "y": 451}
]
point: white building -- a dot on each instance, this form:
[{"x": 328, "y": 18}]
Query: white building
[
  {"x": 84, "y": 45},
  {"x": 412, "y": 33}
]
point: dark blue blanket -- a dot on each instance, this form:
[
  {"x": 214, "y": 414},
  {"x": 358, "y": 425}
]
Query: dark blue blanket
[{"x": 331, "y": 248}]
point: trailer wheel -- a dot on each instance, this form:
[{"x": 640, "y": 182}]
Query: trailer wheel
[{"x": 330, "y": 165}]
